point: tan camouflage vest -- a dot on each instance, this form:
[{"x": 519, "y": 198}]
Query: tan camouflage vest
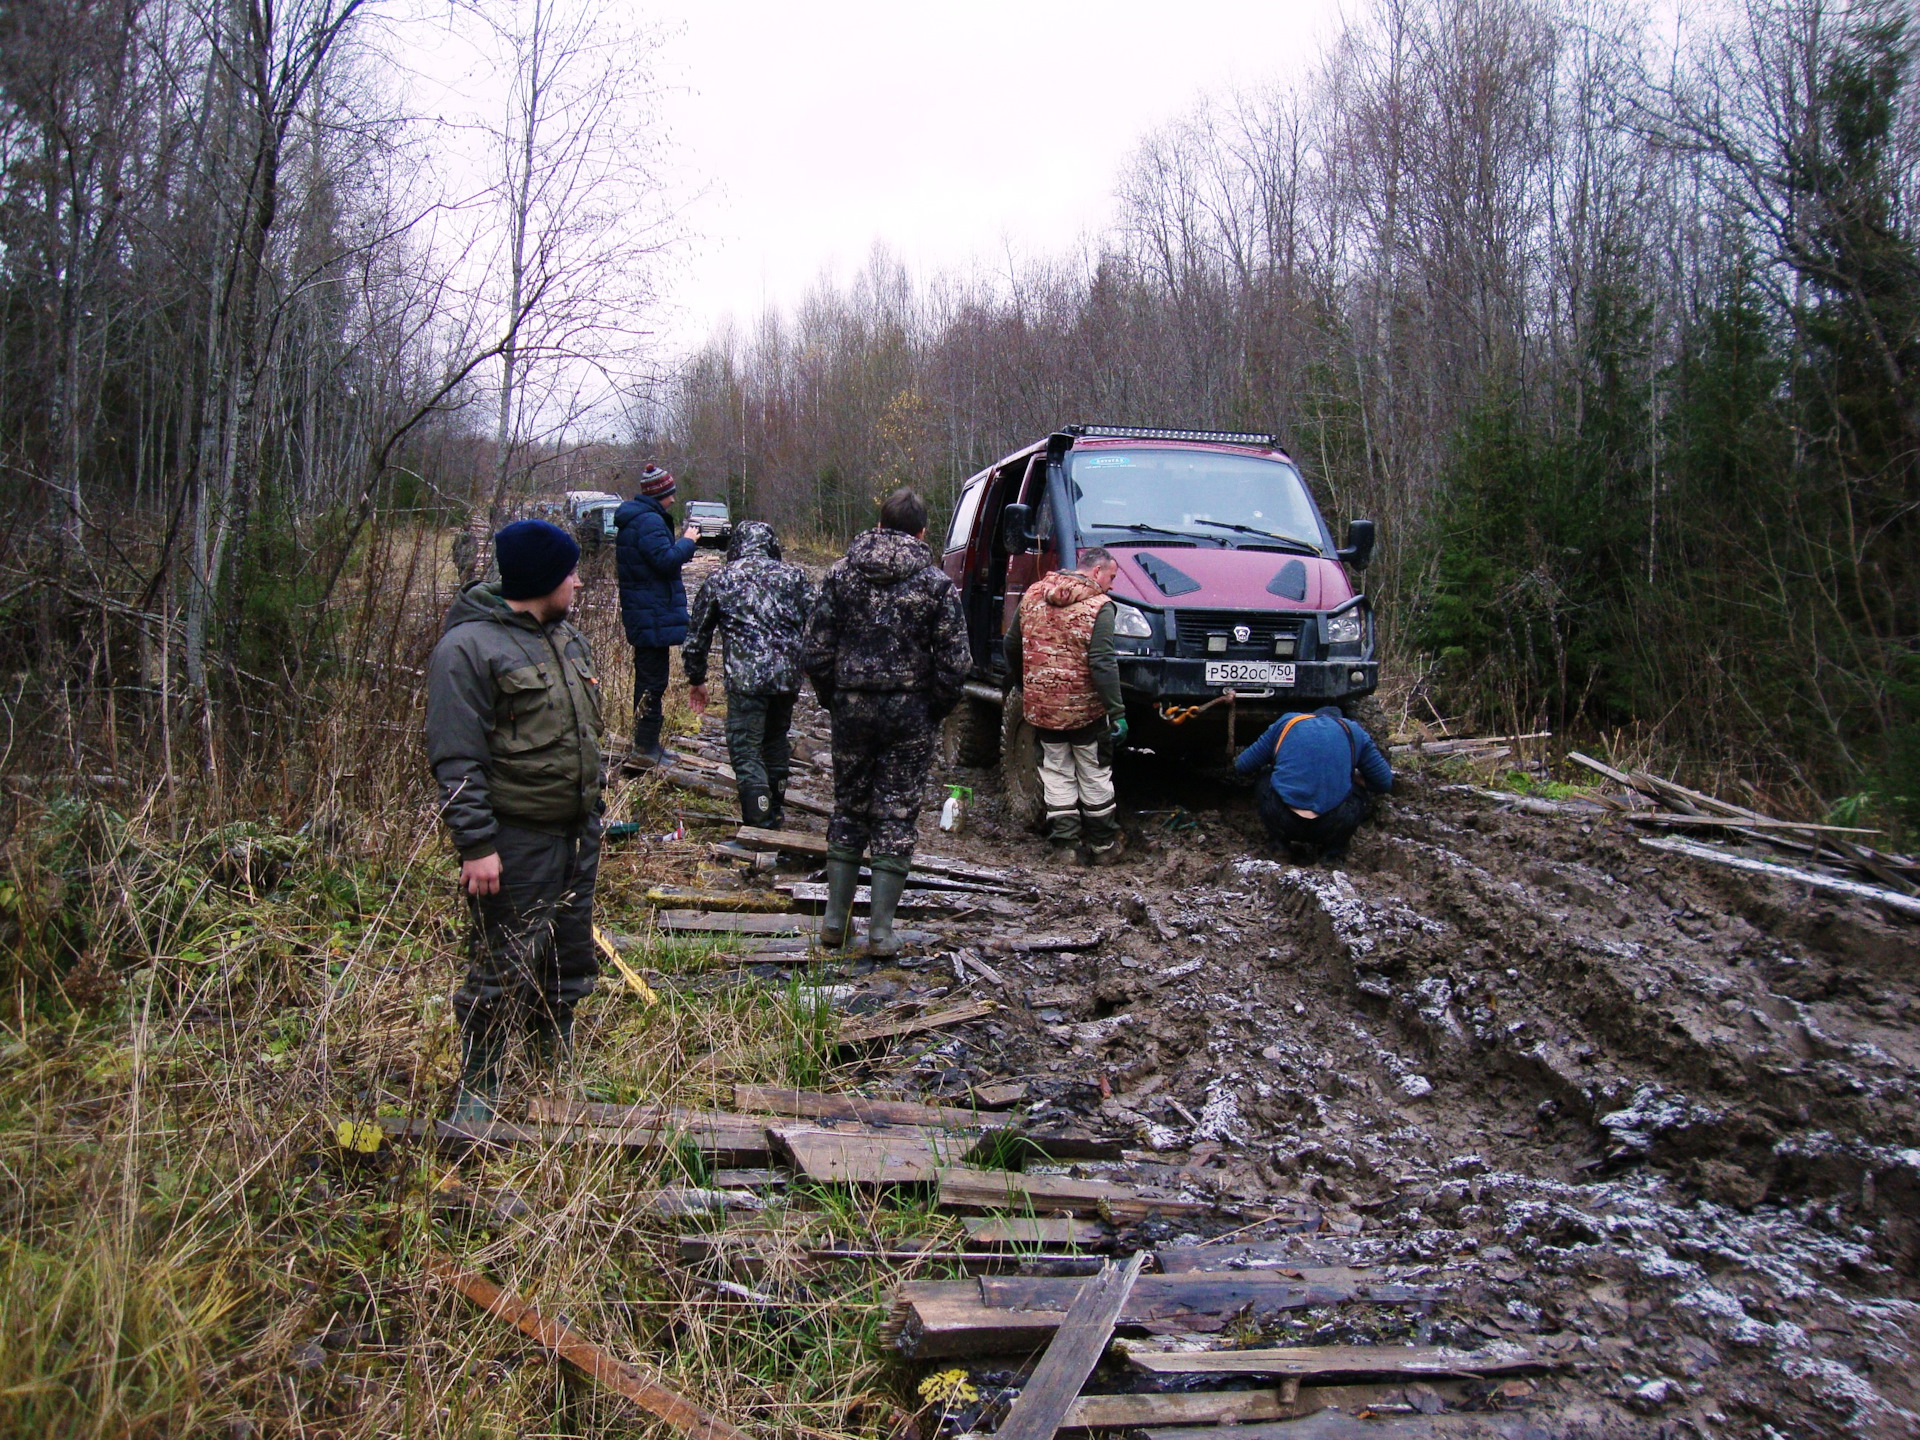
[{"x": 1057, "y": 689}]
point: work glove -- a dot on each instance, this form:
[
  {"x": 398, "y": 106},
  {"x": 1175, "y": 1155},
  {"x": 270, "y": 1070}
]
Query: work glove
[{"x": 1119, "y": 730}]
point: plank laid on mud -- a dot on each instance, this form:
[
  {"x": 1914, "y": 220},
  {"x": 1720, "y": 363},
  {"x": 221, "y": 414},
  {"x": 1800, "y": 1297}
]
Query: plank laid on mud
[
  {"x": 721, "y": 1136},
  {"x": 1218, "y": 1407},
  {"x": 1892, "y": 899},
  {"x": 949, "y": 1319},
  {"x": 969, "y": 1189},
  {"x": 1316, "y": 1361},
  {"x": 860, "y": 1032},
  {"x": 815, "y": 846},
  {"x": 1032, "y": 1230},
  {"x": 506, "y": 1132},
  {"x": 623, "y": 1379},
  {"x": 813, "y": 1105},
  {"x": 1042, "y": 1404},
  {"x": 678, "y": 897},
  {"x": 1335, "y": 1425},
  {"x": 809, "y": 895},
  {"x": 868, "y": 1157},
  {"x": 710, "y": 922}
]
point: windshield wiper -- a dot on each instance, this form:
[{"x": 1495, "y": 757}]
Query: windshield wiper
[
  {"x": 1143, "y": 529},
  {"x": 1299, "y": 546}
]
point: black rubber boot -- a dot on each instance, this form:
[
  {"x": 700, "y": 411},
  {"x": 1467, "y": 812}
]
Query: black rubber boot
[
  {"x": 887, "y": 886},
  {"x": 551, "y": 1039},
  {"x": 482, "y": 1049},
  {"x": 843, "y": 878},
  {"x": 648, "y": 753},
  {"x": 756, "y": 807},
  {"x": 777, "y": 810}
]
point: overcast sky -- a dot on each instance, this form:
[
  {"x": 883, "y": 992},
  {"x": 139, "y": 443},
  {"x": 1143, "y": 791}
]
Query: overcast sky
[{"x": 948, "y": 132}]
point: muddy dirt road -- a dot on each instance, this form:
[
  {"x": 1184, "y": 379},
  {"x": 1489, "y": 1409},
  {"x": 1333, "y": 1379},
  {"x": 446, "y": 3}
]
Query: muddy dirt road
[{"x": 1653, "y": 1115}]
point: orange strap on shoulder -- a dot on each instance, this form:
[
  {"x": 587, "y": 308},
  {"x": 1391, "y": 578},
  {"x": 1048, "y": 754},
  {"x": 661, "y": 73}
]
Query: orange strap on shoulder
[{"x": 1283, "y": 732}]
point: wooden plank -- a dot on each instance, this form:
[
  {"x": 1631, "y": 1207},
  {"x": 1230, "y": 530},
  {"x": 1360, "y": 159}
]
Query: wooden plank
[
  {"x": 1032, "y": 1230},
  {"x": 678, "y": 897},
  {"x": 1077, "y": 1346},
  {"x": 944, "y": 1320},
  {"x": 1218, "y": 1407},
  {"x": 808, "y": 893},
  {"x": 1165, "y": 1297},
  {"x": 710, "y": 922},
  {"x": 506, "y": 1132},
  {"x": 815, "y": 846},
  {"x": 1892, "y": 899},
  {"x": 1039, "y": 943},
  {"x": 813, "y": 1105},
  {"x": 623, "y": 1379},
  {"x": 971, "y": 1189},
  {"x": 867, "y": 1157},
  {"x": 723, "y": 1137},
  {"x": 1325, "y": 1361},
  {"x": 1618, "y": 777},
  {"x": 860, "y": 1032},
  {"x": 1331, "y": 1424}
]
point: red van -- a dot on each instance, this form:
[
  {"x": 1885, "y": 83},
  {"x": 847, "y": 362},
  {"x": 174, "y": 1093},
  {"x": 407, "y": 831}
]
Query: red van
[{"x": 1234, "y": 603}]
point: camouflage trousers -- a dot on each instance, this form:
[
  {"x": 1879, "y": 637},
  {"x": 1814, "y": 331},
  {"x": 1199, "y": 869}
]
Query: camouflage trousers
[
  {"x": 530, "y": 948},
  {"x": 882, "y": 756}
]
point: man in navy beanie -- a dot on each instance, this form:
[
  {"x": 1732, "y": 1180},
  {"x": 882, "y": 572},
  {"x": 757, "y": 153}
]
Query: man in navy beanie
[
  {"x": 514, "y": 735},
  {"x": 653, "y": 602}
]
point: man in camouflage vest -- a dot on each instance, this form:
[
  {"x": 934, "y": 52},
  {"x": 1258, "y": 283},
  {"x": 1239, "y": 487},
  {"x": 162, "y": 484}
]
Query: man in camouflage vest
[
  {"x": 887, "y": 653},
  {"x": 759, "y": 606},
  {"x": 1060, "y": 649}
]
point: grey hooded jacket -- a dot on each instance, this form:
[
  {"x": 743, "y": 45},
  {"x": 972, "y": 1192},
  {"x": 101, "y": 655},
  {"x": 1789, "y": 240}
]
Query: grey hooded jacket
[
  {"x": 513, "y": 722},
  {"x": 758, "y": 604}
]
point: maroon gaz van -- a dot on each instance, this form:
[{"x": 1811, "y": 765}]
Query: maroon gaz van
[{"x": 1234, "y": 602}]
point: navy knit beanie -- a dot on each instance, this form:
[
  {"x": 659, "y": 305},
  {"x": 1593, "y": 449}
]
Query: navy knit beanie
[{"x": 534, "y": 558}]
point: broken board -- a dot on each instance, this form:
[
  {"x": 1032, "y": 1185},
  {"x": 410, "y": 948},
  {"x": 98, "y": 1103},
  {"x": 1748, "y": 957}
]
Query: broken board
[
  {"x": 868, "y": 1029},
  {"x": 1042, "y": 1404},
  {"x": 968, "y": 1189},
  {"x": 1219, "y": 1407},
  {"x": 724, "y": 1138},
  {"x": 1032, "y": 1230},
  {"x": 868, "y": 1157},
  {"x": 813, "y": 1105},
  {"x": 1317, "y": 1361},
  {"x": 815, "y": 846}
]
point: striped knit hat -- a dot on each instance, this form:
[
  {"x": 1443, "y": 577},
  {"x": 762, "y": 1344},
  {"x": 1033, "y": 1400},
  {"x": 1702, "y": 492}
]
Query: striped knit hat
[{"x": 656, "y": 482}]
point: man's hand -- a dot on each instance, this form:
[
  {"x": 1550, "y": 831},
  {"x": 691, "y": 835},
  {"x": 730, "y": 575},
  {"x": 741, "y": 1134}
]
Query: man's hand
[
  {"x": 1119, "y": 729},
  {"x": 692, "y": 532},
  {"x": 482, "y": 876},
  {"x": 697, "y": 698}
]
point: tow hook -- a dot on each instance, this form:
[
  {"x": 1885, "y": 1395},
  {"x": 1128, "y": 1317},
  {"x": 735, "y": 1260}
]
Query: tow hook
[{"x": 1181, "y": 714}]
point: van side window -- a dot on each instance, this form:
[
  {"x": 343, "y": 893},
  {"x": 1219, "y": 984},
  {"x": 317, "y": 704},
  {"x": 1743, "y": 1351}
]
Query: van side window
[{"x": 961, "y": 531}]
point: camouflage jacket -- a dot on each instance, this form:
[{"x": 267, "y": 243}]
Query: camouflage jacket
[
  {"x": 887, "y": 619},
  {"x": 513, "y": 722},
  {"x": 759, "y": 606},
  {"x": 1060, "y": 646}
]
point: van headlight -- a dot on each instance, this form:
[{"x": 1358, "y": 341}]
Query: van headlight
[
  {"x": 1344, "y": 629},
  {"x": 1131, "y": 623}
]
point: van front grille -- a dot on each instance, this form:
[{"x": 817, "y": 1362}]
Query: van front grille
[{"x": 1192, "y": 627}]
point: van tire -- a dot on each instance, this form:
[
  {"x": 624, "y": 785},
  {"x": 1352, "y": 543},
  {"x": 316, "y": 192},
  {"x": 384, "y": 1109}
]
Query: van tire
[
  {"x": 1369, "y": 714},
  {"x": 971, "y": 734},
  {"x": 1020, "y": 765}
]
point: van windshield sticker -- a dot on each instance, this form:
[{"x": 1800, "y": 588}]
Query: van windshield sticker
[{"x": 1103, "y": 460}]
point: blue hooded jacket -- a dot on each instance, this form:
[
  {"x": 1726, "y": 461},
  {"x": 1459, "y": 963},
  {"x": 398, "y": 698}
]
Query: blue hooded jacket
[
  {"x": 1314, "y": 769},
  {"x": 653, "y": 602}
]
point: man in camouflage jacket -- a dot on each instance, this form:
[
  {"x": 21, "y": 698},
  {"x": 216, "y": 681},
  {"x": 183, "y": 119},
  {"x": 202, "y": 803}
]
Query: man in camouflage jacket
[
  {"x": 1060, "y": 650},
  {"x": 758, "y": 604},
  {"x": 514, "y": 738},
  {"x": 887, "y": 653}
]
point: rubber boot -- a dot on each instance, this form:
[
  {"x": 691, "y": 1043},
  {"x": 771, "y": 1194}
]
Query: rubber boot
[
  {"x": 843, "y": 878},
  {"x": 648, "y": 753},
  {"x": 756, "y": 807},
  {"x": 482, "y": 1049},
  {"x": 777, "y": 810},
  {"x": 887, "y": 886},
  {"x": 551, "y": 1039}
]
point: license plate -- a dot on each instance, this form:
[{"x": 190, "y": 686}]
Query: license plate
[{"x": 1248, "y": 672}]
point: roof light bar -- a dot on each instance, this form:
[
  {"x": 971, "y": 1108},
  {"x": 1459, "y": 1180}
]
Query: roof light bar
[{"x": 1131, "y": 432}]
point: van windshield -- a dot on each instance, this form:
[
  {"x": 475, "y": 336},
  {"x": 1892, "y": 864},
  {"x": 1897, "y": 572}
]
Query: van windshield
[{"x": 1202, "y": 494}]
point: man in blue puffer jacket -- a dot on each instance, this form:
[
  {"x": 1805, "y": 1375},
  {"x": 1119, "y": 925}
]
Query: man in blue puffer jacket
[
  {"x": 653, "y": 602},
  {"x": 1323, "y": 766}
]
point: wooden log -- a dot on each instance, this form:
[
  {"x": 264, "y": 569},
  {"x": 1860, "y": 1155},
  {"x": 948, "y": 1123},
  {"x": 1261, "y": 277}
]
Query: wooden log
[
  {"x": 1892, "y": 899},
  {"x": 970, "y": 1189},
  {"x": 812, "y": 1105},
  {"x": 1032, "y": 1230},
  {"x": 623, "y": 1379},
  {"x": 1076, "y": 1348},
  {"x": 1309, "y": 1362},
  {"x": 866, "y": 1030},
  {"x": 1218, "y": 1407}
]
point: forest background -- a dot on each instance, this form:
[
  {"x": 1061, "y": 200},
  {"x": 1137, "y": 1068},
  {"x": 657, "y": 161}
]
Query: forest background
[{"x": 1613, "y": 325}]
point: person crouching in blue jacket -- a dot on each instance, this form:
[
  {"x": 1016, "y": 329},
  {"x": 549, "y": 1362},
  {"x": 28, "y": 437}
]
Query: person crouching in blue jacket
[
  {"x": 1323, "y": 766},
  {"x": 653, "y": 603}
]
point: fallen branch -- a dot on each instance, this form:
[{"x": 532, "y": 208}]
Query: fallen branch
[
  {"x": 600, "y": 1367},
  {"x": 861, "y": 1032}
]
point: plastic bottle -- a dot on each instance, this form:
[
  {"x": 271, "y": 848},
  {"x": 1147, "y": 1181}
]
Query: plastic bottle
[{"x": 953, "y": 810}]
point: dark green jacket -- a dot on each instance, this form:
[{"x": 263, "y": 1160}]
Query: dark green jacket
[
  {"x": 513, "y": 722},
  {"x": 1103, "y": 662}
]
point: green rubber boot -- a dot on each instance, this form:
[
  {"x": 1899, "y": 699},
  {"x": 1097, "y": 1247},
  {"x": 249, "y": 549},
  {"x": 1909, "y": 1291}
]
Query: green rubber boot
[
  {"x": 551, "y": 1039},
  {"x": 843, "y": 878},
  {"x": 483, "y": 1048},
  {"x": 887, "y": 886}
]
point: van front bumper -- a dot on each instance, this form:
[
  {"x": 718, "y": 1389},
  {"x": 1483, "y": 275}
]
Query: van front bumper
[{"x": 1159, "y": 679}]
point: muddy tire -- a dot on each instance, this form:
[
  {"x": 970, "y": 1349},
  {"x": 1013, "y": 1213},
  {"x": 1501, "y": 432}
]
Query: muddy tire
[
  {"x": 971, "y": 734},
  {"x": 1369, "y": 714},
  {"x": 1020, "y": 765}
]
